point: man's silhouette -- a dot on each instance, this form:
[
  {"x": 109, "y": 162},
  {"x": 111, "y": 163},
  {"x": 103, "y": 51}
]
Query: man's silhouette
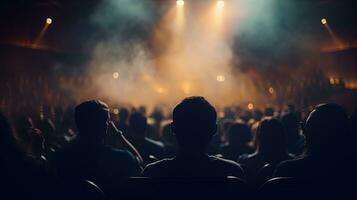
[
  {"x": 194, "y": 124},
  {"x": 89, "y": 159},
  {"x": 148, "y": 148}
]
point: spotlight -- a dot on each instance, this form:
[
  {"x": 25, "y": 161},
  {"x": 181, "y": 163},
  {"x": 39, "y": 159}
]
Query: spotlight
[
  {"x": 220, "y": 78},
  {"x": 220, "y": 4},
  {"x": 250, "y": 106},
  {"x": 116, "y": 111},
  {"x": 180, "y": 2},
  {"x": 323, "y": 21},
  {"x": 48, "y": 21},
  {"x": 115, "y": 75},
  {"x": 271, "y": 90}
]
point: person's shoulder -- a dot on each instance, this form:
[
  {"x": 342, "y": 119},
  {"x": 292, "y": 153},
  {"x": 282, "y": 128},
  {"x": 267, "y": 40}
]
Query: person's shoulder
[
  {"x": 292, "y": 162},
  {"x": 119, "y": 153},
  {"x": 155, "y": 142},
  {"x": 153, "y": 168},
  {"x": 288, "y": 167},
  {"x": 230, "y": 166},
  {"x": 224, "y": 161}
]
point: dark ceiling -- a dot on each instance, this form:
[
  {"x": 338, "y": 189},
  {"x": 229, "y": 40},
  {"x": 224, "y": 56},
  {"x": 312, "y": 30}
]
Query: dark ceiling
[{"x": 22, "y": 20}]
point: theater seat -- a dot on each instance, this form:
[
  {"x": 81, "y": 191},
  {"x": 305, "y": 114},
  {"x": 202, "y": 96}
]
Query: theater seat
[{"x": 197, "y": 188}]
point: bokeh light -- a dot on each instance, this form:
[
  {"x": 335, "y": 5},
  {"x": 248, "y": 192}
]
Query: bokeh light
[
  {"x": 250, "y": 106},
  {"x": 323, "y": 21},
  {"x": 220, "y": 4},
  {"x": 49, "y": 21},
  {"x": 116, "y": 75},
  {"x": 220, "y": 78},
  {"x": 180, "y": 2}
]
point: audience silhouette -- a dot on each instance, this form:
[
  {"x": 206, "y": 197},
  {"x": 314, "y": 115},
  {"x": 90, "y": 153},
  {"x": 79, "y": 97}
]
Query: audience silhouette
[
  {"x": 327, "y": 161},
  {"x": 89, "y": 159},
  {"x": 194, "y": 124},
  {"x": 149, "y": 149},
  {"x": 271, "y": 149}
]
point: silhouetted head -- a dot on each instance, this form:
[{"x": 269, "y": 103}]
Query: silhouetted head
[
  {"x": 326, "y": 130},
  {"x": 291, "y": 124},
  {"x": 194, "y": 123},
  {"x": 6, "y": 136},
  {"x": 123, "y": 114},
  {"x": 271, "y": 137},
  {"x": 239, "y": 134},
  {"x": 138, "y": 124},
  {"x": 92, "y": 120},
  {"x": 269, "y": 112}
]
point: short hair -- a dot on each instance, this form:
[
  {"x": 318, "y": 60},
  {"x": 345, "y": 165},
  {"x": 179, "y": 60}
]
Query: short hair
[
  {"x": 239, "y": 133},
  {"x": 138, "y": 123},
  {"x": 194, "y": 122},
  {"x": 326, "y": 129},
  {"x": 271, "y": 138},
  {"x": 91, "y": 119}
]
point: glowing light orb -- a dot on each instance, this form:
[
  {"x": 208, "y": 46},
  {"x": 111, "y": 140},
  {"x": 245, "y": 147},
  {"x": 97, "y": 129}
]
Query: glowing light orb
[
  {"x": 160, "y": 90},
  {"x": 116, "y": 111},
  {"x": 220, "y": 78},
  {"x": 271, "y": 90},
  {"x": 250, "y": 106},
  {"x": 116, "y": 75},
  {"x": 220, "y": 4},
  {"x": 180, "y": 2},
  {"x": 332, "y": 81},
  {"x": 48, "y": 21},
  {"x": 323, "y": 21}
]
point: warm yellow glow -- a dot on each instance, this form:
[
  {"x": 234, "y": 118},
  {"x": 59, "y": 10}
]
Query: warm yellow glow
[
  {"x": 220, "y": 4},
  {"x": 332, "y": 81},
  {"x": 116, "y": 111},
  {"x": 186, "y": 88},
  {"x": 160, "y": 90},
  {"x": 250, "y": 106},
  {"x": 115, "y": 75},
  {"x": 271, "y": 90},
  {"x": 180, "y": 2},
  {"x": 221, "y": 78},
  {"x": 323, "y": 21},
  {"x": 48, "y": 21}
]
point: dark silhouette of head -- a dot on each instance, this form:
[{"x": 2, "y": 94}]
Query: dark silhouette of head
[
  {"x": 194, "y": 123},
  {"x": 271, "y": 137},
  {"x": 239, "y": 134},
  {"x": 326, "y": 130},
  {"x": 92, "y": 120},
  {"x": 6, "y": 134},
  {"x": 123, "y": 114},
  {"x": 291, "y": 124},
  {"x": 138, "y": 125}
]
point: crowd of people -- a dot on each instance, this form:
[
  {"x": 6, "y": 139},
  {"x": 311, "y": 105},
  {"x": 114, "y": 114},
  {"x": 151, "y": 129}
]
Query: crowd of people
[{"x": 91, "y": 152}]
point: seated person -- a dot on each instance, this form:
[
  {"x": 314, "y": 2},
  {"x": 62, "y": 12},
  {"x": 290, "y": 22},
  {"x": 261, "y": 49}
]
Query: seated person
[
  {"x": 239, "y": 136},
  {"x": 326, "y": 132},
  {"x": 147, "y": 147},
  {"x": 89, "y": 159},
  {"x": 194, "y": 124},
  {"x": 271, "y": 150}
]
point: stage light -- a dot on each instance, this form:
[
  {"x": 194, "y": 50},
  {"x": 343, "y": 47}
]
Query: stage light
[
  {"x": 115, "y": 75},
  {"x": 48, "y": 21},
  {"x": 160, "y": 90},
  {"x": 323, "y": 21},
  {"x": 271, "y": 90},
  {"x": 116, "y": 111},
  {"x": 220, "y": 78},
  {"x": 220, "y": 4},
  {"x": 332, "y": 81},
  {"x": 250, "y": 106},
  {"x": 180, "y": 2}
]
